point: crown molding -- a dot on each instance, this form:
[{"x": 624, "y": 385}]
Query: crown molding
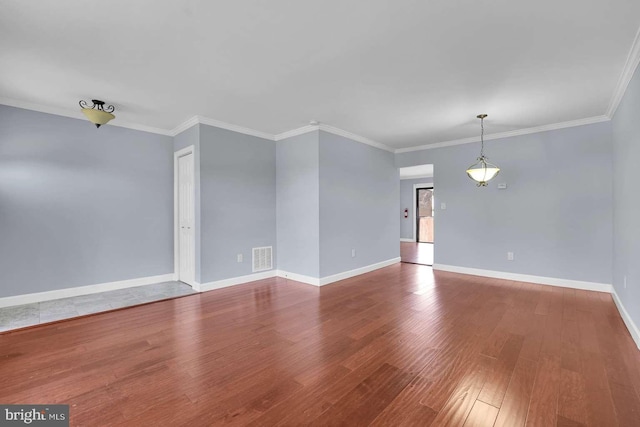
[
  {"x": 354, "y": 137},
  {"x": 519, "y": 132},
  {"x": 218, "y": 124},
  {"x": 194, "y": 121},
  {"x": 324, "y": 127},
  {"x": 333, "y": 130},
  {"x": 77, "y": 115},
  {"x": 296, "y": 132},
  {"x": 235, "y": 128},
  {"x": 633, "y": 59},
  {"x": 184, "y": 126}
]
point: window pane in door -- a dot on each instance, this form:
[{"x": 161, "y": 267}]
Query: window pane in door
[{"x": 425, "y": 215}]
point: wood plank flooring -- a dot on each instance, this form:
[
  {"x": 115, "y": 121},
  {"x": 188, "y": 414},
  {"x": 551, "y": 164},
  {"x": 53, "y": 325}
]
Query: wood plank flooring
[
  {"x": 416, "y": 253},
  {"x": 398, "y": 346}
]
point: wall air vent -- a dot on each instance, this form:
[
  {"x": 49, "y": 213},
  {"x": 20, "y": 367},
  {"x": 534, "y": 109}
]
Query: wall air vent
[{"x": 262, "y": 258}]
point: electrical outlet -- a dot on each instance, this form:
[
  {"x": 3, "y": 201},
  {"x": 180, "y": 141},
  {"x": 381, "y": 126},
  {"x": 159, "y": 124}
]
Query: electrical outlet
[
  {"x": 625, "y": 282},
  {"x": 443, "y": 206},
  {"x": 353, "y": 253},
  {"x": 510, "y": 256},
  {"x": 239, "y": 257}
]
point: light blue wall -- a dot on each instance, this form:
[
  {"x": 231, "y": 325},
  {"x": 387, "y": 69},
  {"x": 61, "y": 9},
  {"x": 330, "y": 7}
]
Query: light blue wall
[
  {"x": 359, "y": 193},
  {"x": 238, "y": 200},
  {"x": 187, "y": 138},
  {"x": 80, "y": 205},
  {"x": 556, "y": 215},
  {"x": 408, "y": 201},
  {"x": 626, "y": 203},
  {"x": 298, "y": 204}
]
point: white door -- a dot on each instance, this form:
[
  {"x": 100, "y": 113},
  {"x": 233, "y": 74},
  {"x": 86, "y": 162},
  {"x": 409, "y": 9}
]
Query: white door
[{"x": 186, "y": 209}]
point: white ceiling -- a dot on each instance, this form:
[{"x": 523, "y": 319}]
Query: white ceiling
[{"x": 403, "y": 73}]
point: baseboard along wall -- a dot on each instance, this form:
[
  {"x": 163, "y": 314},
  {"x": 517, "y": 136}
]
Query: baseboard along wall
[
  {"x": 225, "y": 283},
  {"x": 83, "y": 290},
  {"x": 322, "y": 281},
  {"x": 540, "y": 280},
  {"x": 315, "y": 281},
  {"x": 631, "y": 326},
  {"x": 551, "y": 281}
]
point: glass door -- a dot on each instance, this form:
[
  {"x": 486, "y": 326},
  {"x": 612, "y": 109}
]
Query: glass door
[{"x": 424, "y": 215}]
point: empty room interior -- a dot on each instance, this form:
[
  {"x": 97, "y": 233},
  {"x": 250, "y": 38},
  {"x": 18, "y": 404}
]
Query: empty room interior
[{"x": 389, "y": 213}]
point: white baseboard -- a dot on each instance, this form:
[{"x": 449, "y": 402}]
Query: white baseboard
[
  {"x": 633, "y": 329},
  {"x": 83, "y": 290},
  {"x": 225, "y": 283},
  {"x": 195, "y": 285},
  {"x": 541, "y": 280},
  {"x": 358, "y": 271},
  {"x": 407, "y": 240},
  {"x": 299, "y": 278},
  {"x": 315, "y": 281},
  {"x": 565, "y": 283}
]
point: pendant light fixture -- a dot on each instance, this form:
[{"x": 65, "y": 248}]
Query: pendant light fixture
[
  {"x": 98, "y": 114},
  {"x": 482, "y": 171}
]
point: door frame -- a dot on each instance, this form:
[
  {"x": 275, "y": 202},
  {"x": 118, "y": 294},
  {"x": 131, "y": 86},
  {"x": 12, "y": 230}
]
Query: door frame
[
  {"x": 176, "y": 216},
  {"x": 416, "y": 187}
]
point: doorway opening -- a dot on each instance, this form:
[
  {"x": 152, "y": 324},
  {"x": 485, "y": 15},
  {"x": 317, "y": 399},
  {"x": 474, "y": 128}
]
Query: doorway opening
[
  {"x": 417, "y": 227},
  {"x": 420, "y": 250}
]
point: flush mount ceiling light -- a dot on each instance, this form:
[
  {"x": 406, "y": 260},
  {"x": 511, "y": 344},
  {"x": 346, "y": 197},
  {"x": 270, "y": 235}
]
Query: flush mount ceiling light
[
  {"x": 482, "y": 171},
  {"x": 98, "y": 114}
]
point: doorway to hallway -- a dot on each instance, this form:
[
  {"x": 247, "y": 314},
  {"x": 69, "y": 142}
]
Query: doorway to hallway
[
  {"x": 417, "y": 227},
  {"x": 420, "y": 250}
]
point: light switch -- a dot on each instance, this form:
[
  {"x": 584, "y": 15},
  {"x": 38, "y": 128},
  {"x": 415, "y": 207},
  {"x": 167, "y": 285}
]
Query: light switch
[{"x": 443, "y": 205}]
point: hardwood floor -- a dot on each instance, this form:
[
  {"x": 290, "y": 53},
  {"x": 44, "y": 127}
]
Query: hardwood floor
[
  {"x": 416, "y": 253},
  {"x": 398, "y": 346}
]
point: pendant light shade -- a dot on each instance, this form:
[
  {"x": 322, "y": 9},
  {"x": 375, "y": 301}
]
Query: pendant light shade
[
  {"x": 482, "y": 171},
  {"x": 98, "y": 114}
]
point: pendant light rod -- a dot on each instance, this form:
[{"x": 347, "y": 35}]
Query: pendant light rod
[{"x": 482, "y": 117}]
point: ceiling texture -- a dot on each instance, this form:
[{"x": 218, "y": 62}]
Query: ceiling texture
[{"x": 402, "y": 73}]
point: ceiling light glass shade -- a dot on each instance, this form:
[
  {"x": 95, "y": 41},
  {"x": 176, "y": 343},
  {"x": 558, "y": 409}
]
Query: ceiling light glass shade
[
  {"x": 98, "y": 117},
  {"x": 482, "y": 171},
  {"x": 98, "y": 114}
]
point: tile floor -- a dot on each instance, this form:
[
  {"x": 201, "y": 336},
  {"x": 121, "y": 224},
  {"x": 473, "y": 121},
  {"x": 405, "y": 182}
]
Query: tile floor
[{"x": 20, "y": 316}]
